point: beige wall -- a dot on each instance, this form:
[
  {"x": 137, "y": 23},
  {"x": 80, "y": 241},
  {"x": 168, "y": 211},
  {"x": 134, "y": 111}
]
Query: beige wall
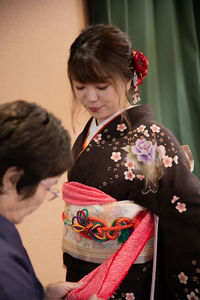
[{"x": 35, "y": 36}]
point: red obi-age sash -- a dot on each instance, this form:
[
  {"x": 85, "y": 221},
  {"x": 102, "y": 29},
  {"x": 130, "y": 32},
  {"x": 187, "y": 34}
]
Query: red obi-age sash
[{"x": 106, "y": 278}]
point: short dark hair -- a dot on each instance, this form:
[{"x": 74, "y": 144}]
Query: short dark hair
[{"x": 32, "y": 140}]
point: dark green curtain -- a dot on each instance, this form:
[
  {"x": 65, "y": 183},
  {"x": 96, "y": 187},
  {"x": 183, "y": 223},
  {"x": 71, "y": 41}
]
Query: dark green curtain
[{"x": 168, "y": 33}]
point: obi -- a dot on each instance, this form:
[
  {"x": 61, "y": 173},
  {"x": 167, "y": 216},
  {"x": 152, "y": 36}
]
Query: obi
[{"x": 96, "y": 225}]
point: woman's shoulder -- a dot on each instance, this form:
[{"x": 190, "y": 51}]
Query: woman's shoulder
[{"x": 140, "y": 114}]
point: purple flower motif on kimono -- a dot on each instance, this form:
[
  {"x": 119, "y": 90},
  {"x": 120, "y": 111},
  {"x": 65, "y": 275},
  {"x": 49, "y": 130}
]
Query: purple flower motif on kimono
[{"x": 144, "y": 150}]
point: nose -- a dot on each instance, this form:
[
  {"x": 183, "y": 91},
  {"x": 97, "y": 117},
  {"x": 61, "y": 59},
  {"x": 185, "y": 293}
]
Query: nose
[{"x": 92, "y": 95}]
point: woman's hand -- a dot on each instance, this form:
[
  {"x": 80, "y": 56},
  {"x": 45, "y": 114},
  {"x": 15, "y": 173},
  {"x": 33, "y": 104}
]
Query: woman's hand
[
  {"x": 57, "y": 291},
  {"x": 94, "y": 297}
]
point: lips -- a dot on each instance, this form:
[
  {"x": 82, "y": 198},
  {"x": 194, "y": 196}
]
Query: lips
[{"x": 94, "y": 109}]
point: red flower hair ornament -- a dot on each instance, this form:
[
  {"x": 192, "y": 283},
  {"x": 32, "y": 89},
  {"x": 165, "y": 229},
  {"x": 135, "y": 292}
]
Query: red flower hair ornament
[{"x": 139, "y": 65}]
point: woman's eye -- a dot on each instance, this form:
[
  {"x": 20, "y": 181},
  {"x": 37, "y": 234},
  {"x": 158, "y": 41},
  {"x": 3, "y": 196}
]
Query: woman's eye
[
  {"x": 101, "y": 88},
  {"x": 79, "y": 88}
]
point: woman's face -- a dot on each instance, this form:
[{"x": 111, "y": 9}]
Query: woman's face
[
  {"x": 20, "y": 208},
  {"x": 101, "y": 100}
]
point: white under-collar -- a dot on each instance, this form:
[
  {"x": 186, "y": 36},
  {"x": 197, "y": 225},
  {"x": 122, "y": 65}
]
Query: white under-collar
[{"x": 94, "y": 128}]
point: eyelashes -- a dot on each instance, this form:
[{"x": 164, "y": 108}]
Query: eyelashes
[
  {"x": 100, "y": 88},
  {"x": 79, "y": 88}
]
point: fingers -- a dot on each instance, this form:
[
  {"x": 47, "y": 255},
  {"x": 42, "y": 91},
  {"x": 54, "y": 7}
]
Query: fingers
[
  {"x": 60, "y": 289},
  {"x": 73, "y": 285},
  {"x": 94, "y": 297}
]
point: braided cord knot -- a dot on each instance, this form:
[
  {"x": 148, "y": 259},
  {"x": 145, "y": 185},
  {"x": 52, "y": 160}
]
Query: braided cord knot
[{"x": 97, "y": 229}]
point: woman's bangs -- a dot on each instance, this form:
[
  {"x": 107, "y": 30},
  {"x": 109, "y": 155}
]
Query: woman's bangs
[{"x": 89, "y": 72}]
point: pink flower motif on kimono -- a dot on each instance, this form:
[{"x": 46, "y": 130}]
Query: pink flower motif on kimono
[
  {"x": 140, "y": 177},
  {"x": 162, "y": 151},
  {"x": 183, "y": 278},
  {"x": 130, "y": 296},
  {"x": 192, "y": 296},
  {"x": 141, "y": 128},
  {"x": 181, "y": 207},
  {"x": 167, "y": 161},
  {"x": 121, "y": 127},
  {"x": 129, "y": 175},
  {"x": 116, "y": 156},
  {"x": 155, "y": 128},
  {"x": 129, "y": 165},
  {"x": 97, "y": 137},
  {"x": 146, "y": 133},
  {"x": 144, "y": 150},
  {"x": 174, "y": 199},
  {"x": 176, "y": 159}
]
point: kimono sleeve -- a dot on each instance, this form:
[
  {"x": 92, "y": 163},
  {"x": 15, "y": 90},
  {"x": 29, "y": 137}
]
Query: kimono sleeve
[{"x": 17, "y": 278}]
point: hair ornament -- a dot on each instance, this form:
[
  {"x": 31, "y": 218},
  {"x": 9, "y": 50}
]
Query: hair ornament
[{"x": 139, "y": 65}]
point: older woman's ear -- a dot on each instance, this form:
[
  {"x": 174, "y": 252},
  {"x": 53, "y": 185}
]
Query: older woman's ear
[{"x": 11, "y": 178}]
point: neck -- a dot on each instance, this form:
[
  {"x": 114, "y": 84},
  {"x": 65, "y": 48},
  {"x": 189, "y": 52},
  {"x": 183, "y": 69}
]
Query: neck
[
  {"x": 9, "y": 208},
  {"x": 99, "y": 121},
  {"x": 3, "y": 206}
]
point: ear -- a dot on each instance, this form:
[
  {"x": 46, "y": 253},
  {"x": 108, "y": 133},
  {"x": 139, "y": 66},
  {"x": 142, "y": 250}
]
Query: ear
[
  {"x": 128, "y": 86},
  {"x": 11, "y": 178}
]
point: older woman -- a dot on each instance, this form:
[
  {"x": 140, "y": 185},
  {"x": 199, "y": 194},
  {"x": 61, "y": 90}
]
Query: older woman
[{"x": 34, "y": 152}]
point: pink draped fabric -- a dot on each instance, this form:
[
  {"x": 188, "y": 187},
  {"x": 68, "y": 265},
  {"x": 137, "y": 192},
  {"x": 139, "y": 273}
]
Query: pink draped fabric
[{"x": 79, "y": 194}]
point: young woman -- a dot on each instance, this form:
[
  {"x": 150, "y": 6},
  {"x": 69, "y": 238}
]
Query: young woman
[
  {"x": 28, "y": 172},
  {"x": 124, "y": 155}
]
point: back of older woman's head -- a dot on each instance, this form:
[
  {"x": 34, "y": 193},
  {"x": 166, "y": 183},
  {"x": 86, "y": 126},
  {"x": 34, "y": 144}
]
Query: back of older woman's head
[{"x": 34, "y": 141}]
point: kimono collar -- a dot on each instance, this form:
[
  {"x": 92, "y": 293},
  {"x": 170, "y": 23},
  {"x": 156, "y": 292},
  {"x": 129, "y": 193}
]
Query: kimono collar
[{"x": 94, "y": 128}]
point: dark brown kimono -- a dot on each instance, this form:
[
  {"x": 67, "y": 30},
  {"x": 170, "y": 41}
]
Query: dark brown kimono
[{"x": 135, "y": 158}]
